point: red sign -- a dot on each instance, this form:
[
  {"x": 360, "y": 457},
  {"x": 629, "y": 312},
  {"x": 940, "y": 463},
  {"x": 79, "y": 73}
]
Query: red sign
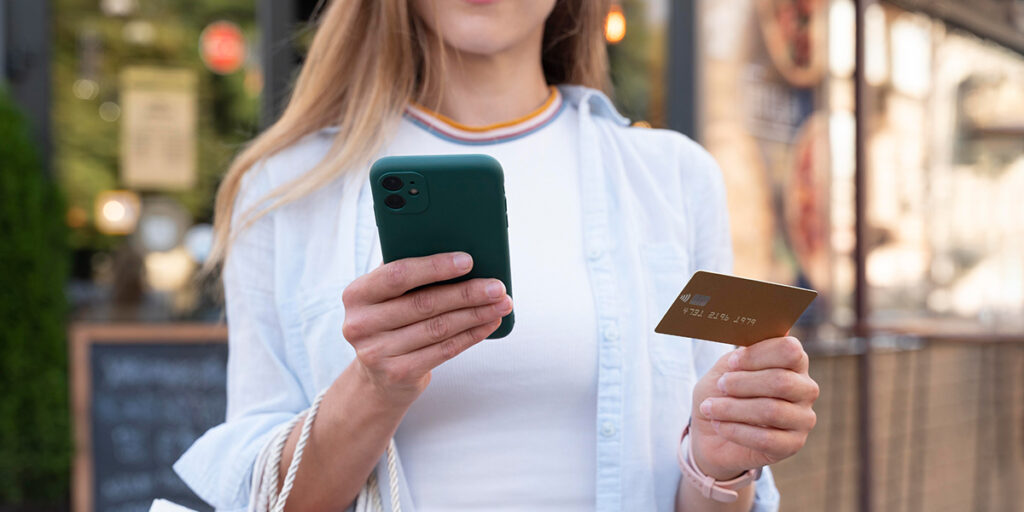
[{"x": 222, "y": 47}]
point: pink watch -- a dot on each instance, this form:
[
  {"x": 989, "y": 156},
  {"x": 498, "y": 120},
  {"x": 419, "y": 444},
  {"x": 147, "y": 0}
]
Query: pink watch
[{"x": 721, "y": 491}]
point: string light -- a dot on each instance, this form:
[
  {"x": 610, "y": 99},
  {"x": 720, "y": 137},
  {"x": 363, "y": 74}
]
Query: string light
[
  {"x": 615, "y": 25},
  {"x": 117, "y": 212}
]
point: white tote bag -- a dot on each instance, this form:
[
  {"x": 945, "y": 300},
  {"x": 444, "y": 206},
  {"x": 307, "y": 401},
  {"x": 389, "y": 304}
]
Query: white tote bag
[{"x": 263, "y": 496}]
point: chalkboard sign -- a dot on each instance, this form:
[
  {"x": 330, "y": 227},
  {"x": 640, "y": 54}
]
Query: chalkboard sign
[{"x": 142, "y": 395}]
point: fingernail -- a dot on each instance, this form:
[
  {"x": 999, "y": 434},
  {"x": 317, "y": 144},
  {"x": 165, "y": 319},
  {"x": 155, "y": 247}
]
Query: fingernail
[
  {"x": 716, "y": 425},
  {"x": 504, "y": 306},
  {"x": 721, "y": 382},
  {"x": 495, "y": 289},
  {"x": 705, "y": 408},
  {"x": 462, "y": 261},
  {"x": 734, "y": 359}
]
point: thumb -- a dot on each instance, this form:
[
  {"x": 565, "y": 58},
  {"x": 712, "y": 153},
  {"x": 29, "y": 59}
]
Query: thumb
[
  {"x": 707, "y": 386},
  {"x": 722, "y": 365}
]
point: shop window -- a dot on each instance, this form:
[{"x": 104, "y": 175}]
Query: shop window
[
  {"x": 150, "y": 102},
  {"x": 765, "y": 114},
  {"x": 945, "y": 160},
  {"x": 946, "y": 172}
]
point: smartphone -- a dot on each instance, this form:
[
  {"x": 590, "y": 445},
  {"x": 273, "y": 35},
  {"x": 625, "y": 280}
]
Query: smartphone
[{"x": 431, "y": 204}]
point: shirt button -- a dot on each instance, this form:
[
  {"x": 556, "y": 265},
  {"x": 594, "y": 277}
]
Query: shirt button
[
  {"x": 611, "y": 332},
  {"x": 608, "y": 429},
  {"x": 595, "y": 253}
]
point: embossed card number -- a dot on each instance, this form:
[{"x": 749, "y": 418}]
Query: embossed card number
[{"x": 734, "y": 310}]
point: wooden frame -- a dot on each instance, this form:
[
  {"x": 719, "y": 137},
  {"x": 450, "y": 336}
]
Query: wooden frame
[{"x": 81, "y": 339}]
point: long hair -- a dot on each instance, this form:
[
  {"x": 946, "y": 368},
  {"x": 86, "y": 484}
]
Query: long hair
[{"x": 367, "y": 61}]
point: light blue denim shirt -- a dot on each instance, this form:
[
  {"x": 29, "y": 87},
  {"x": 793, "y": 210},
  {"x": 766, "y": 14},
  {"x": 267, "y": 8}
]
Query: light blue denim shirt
[{"x": 654, "y": 212}]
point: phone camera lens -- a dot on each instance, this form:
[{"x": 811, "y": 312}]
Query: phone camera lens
[
  {"x": 394, "y": 200},
  {"x": 392, "y": 183}
]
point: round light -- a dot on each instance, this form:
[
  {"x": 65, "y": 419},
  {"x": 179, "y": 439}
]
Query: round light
[
  {"x": 118, "y": 7},
  {"x": 77, "y": 217},
  {"x": 162, "y": 225},
  {"x": 615, "y": 25},
  {"x": 158, "y": 232},
  {"x": 139, "y": 32},
  {"x": 222, "y": 47},
  {"x": 198, "y": 242},
  {"x": 85, "y": 89},
  {"x": 114, "y": 211},
  {"x": 117, "y": 212},
  {"x": 110, "y": 111},
  {"x": 168, "y": 271}
]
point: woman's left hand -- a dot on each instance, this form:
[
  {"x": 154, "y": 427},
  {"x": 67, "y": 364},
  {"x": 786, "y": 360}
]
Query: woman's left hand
[{"x": 753, "y": 408}]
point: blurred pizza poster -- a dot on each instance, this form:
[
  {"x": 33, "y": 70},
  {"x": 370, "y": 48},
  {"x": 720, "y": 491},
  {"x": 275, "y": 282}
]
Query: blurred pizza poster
[
  {"x": 764, "y": 118},
  {"x": 158, "y": 128}
]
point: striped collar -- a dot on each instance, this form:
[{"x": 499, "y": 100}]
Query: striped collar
[{"x": 453, "y": 131}]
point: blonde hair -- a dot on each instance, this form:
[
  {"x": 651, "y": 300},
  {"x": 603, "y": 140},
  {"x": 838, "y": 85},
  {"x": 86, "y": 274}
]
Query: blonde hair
[{"x": 367, "y": 61}]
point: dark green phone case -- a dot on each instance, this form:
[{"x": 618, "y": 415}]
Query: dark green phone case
[{"x": 449, "y": 203}]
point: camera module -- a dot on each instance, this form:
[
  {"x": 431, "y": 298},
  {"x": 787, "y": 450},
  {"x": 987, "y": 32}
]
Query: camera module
[
  {"x": 394, "y": 200},
  {"x": 392, "y": 183}
]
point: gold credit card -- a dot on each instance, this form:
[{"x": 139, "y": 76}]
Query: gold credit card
[{"x": 734, "y": 310}]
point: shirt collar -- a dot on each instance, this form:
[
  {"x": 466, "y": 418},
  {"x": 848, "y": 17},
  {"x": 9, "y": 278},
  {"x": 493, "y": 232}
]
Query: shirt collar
[{"x": 599, "y": 103}]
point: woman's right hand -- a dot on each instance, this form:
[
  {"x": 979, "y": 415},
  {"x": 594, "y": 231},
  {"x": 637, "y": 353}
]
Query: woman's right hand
[{"x": 400, "y": 337}]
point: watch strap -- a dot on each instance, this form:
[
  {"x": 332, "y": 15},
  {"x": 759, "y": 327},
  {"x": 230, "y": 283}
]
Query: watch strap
[{"x": 723, "y": 491}]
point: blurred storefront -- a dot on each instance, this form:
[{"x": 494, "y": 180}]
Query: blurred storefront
[
  {"x": 148, "y": 109},
  {"x": 143, "y": 127},
  {"x": 893, "y": 188},
  {"x": 150, "y": 102},
  {"x": 944, "y": 158},
  {"x": 946, "y": 161}
]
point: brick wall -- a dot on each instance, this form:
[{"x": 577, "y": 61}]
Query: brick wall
[{"x": 948, "y": 433}]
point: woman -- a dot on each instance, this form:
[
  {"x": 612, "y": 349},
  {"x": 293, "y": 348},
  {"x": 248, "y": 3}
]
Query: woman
[{"x": 582, "y": 407}]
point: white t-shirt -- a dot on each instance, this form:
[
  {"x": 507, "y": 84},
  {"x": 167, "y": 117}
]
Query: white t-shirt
[{"x": 534, "y": 393}]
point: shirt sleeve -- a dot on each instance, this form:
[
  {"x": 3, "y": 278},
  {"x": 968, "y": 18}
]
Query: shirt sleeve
[
  {"x": 713, "y": 251},
  {"x": 263, "y": 393}
]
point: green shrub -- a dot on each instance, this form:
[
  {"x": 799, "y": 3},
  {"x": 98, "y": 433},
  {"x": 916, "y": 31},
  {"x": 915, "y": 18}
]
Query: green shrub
[{"x": 34, "y": 428}]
